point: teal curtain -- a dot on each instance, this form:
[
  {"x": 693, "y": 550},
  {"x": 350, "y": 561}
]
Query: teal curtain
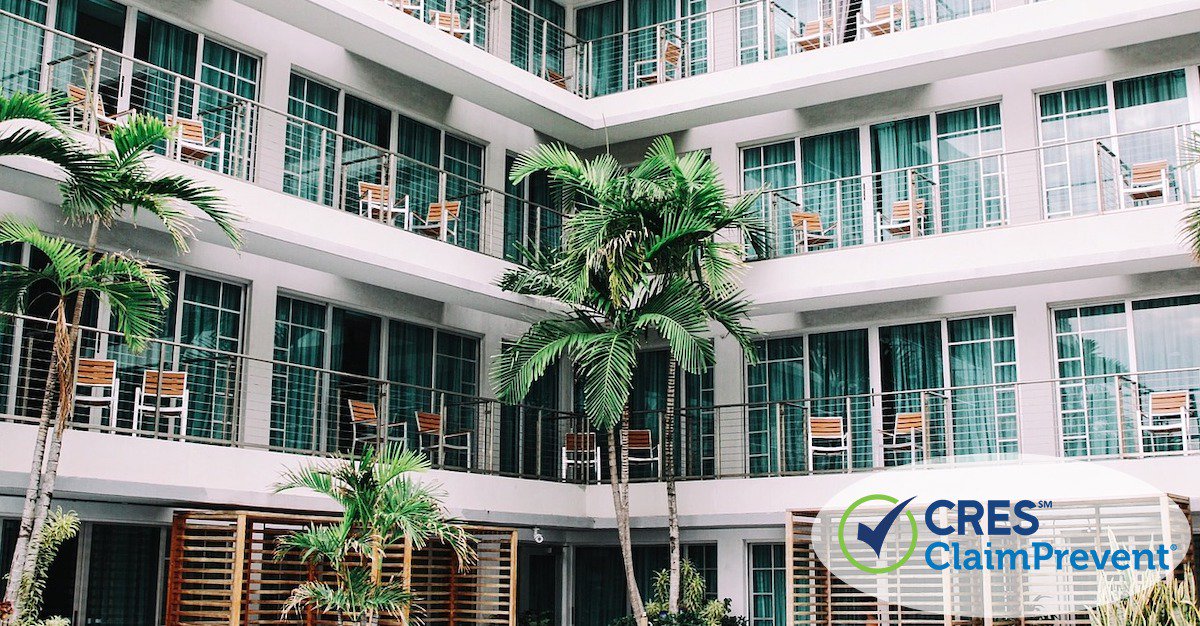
[
  {"x": 775, "y": 393},
  {"x": 839, "y": 381},
  {"x": 643, "y": 18},
  {"x": 300, "y": 338},
  {"x": 514, "y": 214},
  {"x": 971, "y": 192},
  {"x": 827, "y": 163},
  {"x": 20, "y": 67},
  {"x": 231, "y": 72},
  {"x": 163, "y": 45},
  {"x": 410, "y": 372},
  {"x": 768, "y": 585},
  {"x": 417, "y": 175},
  {"x": 1092, "y": 348},
  {"x": 598, "y": 24},
  {"x": 1069, "y": 171},
  {"x": 773, "y": 168},
  {"x": 456, "y": 372},
  {"x": 1166, "y": 335},
  {"x": 530, "y": 221},
  {"x": 902, "y": 145},
  {"x": 101, "y": 22},
  {"x": 539, "y": 36},
  {"x": 364, "y": 152},
  {"x": 123, "y": 578},
  {"x": 522, "y": 424},
  {"x": 648, "y": 560},
  {"x": 911, "y": 361},
  {"x": 354, "y": 349},
  {"x": 648, "y": 401},
  {"x": 464, "y": 183},
  {"x": 983, "y": 352},
  {"x": 308, "y": 169},
  {"x": 211, "y": 319},
  {"x": 599, "y": 586},
  {"x": 699, "y": 425}
]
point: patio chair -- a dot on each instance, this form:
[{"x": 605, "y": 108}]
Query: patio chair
[
  {"x": 828, "y": 435},
  {"x": 814, "y": 35},
  {"x": 161, "y": 394},
  {"x": 580, "y": 449},
  {"x": 666, "y": 65},
  {"x": 365, "y": 427},
  {"x": 807, "y": 231},
  {"x": 431, "y": 435},
  {"x": 1168, "y": 414},
  {"x": 77, "y": 102},
  {"x": 907, "y": 429},
  {"x": 908, "y": 218},
  {"x": 189, "y": 143},
  {"x": 557, "y": 79},
  {"x": 99, "y": 377},
  {"x": 441, "y": 222},
  {"x": 642, "y": 449},
  {"x": 374, "y": 202},
  {"x": 888, "y": 18},
  {"x": 451, "y": 23},
  {"x": 415, "y": 8},
  {"x": 1148, "y": 181}
]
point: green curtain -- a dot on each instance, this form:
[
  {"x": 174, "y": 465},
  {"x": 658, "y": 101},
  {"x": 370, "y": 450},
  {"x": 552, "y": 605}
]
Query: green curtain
[
  {"x": 163, "y": 45},
  {"x": 231, "y": 72},
  {"x": 773, "y": 167},
  {"x": 410, "y": 371},
  {"x": 597, "y": 25},
  {"x": 1148, "y": 102},
  {"x": 599, "y": 586},
  {"x": 364, "y": 152},
  {"x": 902, "y": 145},
  {"x": 982, "y": 352},
  {"x": 20, "y": 66},
  {"x": 296, "y": 392},
  {"x": 648, "y": 560},
  {"x": 643, "y": 16},
  {"x": 309, "y": 147},
  {"x": 530, "y": 222},
  {"x": 827, "y": 162},
  {"x": 839, "y": 379},
  {"x": 1091, "y": 342},
  {"x": 971, "y": 190},
  {"x": 699, "y": 426},
  {"x": 911, "y": 360},
  {"x": 1069, "y": 171},
  {"x": 417, "y": 175},
  {"x": 539, "y": 35},
  {"x": 775, "y": 392},
  {"x": 464, "y": 183},
  {"x": 768, "y": 587},
  {"x": 211, "y": 319},
  {"x": 514, "y": 214},
  {"x": 456, "y": 372},
  {"x": 123, "y": 576}
]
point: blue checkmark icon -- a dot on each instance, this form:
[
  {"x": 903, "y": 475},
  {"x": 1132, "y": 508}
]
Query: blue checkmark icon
[{"x": 874, "y": 537}]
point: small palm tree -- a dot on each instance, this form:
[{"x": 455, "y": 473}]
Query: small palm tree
[
  {"x": 382, "y": 506},
  {"x": 31, "y": 125},
  {"x": 135, "y": 293},
  {"x": 642, "y": 258},
  {"x": 1191, "y": 221}
]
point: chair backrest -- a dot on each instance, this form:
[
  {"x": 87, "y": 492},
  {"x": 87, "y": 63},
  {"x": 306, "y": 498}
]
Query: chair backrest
[
  {"x": 889, "y": 11},
  {"x": 429, "y": 422},
  {"x": 906, "y": 210},
  {"x": 362, "y": 411},
  {"x": 442, "y": 210},
  {"x": 672, "y": 53},
  {"x": 190, "y": 130},
  {"x": 78, "y": 96},
  {"x": 446, "y": 19},
  {"x": 96, "y": 372},
  {"x": 1168, "y": 402},
  {"x": 577, "y": 442},
  {"x": 802, "y": 220},
  {"x": 164, "y": 384},
  {"x": 817, "y": 27},
  {"x": 1143, "y": 173},
  {"x": 640, "y": 440},
  {"x": 371, "y": 192},
  {"x": 909, "y": 422},
  {"x": 825, "y": 427}
]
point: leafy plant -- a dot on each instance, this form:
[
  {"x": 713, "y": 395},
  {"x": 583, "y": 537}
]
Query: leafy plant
[
  {"x": 1170, "y": 602},
  {"x": 60, "y": 527}
]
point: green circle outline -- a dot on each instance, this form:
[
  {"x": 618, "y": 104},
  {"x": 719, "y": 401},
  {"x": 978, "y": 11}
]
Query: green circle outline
[{"x": 912, "y": 521}]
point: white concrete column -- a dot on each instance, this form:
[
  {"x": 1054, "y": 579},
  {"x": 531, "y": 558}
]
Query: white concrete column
[
  {"x": 729, "y": 391},
  {"x": 732, "y": 572},
  {"x": 260, "y": 345},
  {"x": 1022, "y": 166},
  {"x": 1036, "y": 403}
]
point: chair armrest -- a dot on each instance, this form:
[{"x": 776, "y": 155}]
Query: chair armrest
[
  {"x": 216, "y": 139},
  {"x": 465, "y": 433},
  {"x": 637, "y": 65},
  {"x": 124, "y": 113}
]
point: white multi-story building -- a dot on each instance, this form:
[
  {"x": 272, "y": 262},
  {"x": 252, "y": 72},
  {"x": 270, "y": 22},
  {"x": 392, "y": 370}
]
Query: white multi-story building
[{"x": 999, "y": 186}]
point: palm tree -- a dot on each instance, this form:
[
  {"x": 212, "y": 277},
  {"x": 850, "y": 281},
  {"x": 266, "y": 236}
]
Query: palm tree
[
  {"x": 135, "y": 293},
  {"x": 382, "y": 506},
  {"x": 641, "y": 255},
  {"x": 1191, "y": 220}
]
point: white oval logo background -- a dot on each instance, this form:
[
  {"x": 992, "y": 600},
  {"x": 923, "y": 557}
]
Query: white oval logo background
[{"x": 1100, "y": 535}]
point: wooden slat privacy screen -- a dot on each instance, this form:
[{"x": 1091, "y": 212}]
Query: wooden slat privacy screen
[
  {"x": 223, "y": 571},
  {"x": 817, "y": 597}
]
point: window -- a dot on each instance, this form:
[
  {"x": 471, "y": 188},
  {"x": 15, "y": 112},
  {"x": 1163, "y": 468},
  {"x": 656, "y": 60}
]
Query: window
[
  {"x": 614, "y": 52},
  {"x": 539, "y": 36},
  {"x": 773, "y": 167},
  {"x": 310, "y": 146},
  {"x": 427, "y": 149},
  {"x": 530, "y": 221},
  {"x": 970, "y": 177},
  {"x": 20, "y": 66},
  {"x": 704, "y": 558},
  {"x": 768, "y": 587}
]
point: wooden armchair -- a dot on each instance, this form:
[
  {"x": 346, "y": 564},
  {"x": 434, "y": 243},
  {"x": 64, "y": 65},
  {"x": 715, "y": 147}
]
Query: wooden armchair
[
  {"x": 580, "y": 449},
  {"x": 828, "y": 435},
  {"x": 807, "y": 231},
  {"x": 907, "y": 219},
  {"x": 191, "y": 145},
  {"x": 666, "y": 65},
  {"x": 1168, "y": 414},
  {"x": 431, "y": 435},
  {"x": 99, "y": 377},
  {"x": 451, "y": 23},
  {"x": 642, "y": 449},
  {"x": 441, "y": 222},
  {"x": 1148, "y": 181},
  {"x": 161, "y": 394},
  {"x": 888, "y": 18},
  {"x": 415, "y": 8},
  {"x": 77, "y": 102},
  {"x": 813, "y": 35},
  {"x": 366, "y": 428},
  {"x": 907, "y": 430},
  {"x": 374, "y": 202}
]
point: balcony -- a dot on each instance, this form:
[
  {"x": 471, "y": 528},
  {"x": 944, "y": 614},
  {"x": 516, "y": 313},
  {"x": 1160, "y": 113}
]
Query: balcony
[{"x": 234, "y": 400}]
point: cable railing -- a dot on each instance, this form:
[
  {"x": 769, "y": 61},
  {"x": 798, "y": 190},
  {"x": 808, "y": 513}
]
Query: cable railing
[
  {"x": 1063, "y": 179},
  {"x": 237, "y": 136}
]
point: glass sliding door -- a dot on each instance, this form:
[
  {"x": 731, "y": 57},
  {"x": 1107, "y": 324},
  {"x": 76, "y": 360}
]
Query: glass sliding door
[
  {"x": 355, "y": 341},
  {"x": 161, "y": 44},
  {"x": 456, "y": 376},
  {"x": 539, "y": 36},
  {"x": 645, "y": 20},
  {"x": 1069, "y": 165},
  {"x": 598, "y": 25},
  {"x": 1092, "y": 347},
  {"x": 225, "y": 116},
  {"x": 363, "y": 157},
  {"x": 309, "y": 166},
  {"x": 297, "y": 392},
  {"x": 101, "y": 22},
  {"x": 697, "y": 441},
  {"x": 912, "y": 378},
  {"x": 773, "y": 168},
  {"x": 124, "y": 574},
  {"x": 20, "y": 67},
  {"x": 417, "y": 175},
  {"x": 970, "y": 177},
  {"x": 410, "y": 371},
  {"x": 597, "y": 600},
  {"x": 1166, "y": 333},
  {"x": 211, "y": 319},
  {"x": 829, "y": 167},
  {"x": 839, "y": 384},
  {"x": 900, "y": 154},
  {"x": 775, "y": 417},
  {"x": 530, "y": 221},
  {"x": 1149, "y": 107},
  {"x": 464, "y": 183},
  {"x": 768, "y": 585},
  {"x": 983, "y": 370}
]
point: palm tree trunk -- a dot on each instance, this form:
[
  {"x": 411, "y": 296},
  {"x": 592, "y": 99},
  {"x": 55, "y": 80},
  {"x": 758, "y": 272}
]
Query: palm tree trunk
[
  {"x": 668, "y": 462},
  {"x": 618, "y": 476}
]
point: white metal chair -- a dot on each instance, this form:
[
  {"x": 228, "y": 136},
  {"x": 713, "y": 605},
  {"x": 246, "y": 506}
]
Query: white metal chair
[
  {"x": 907, "y": 219},
  {"x": 365, "y": 426},
  {"x": 415, "y": 8},
  {"x": 1148, "y": 181},
  {"x": 813, "y": 35},
  {"x": 451, "y": 23},
  {"x": 808, "y": 232},
  {"x": 642, "y": 449},
  {"x": 886, "y": 19},
  {"x": 907, "y": 430},
  {"x": 161, "y": 394},
  {"x": 374, "y": 202},
  {"x": 828, "y": 435},
  {"x": 190, "y": 144},
  {"x": 431, "y": 435},
  {"x": 440, "y": 222},
  {"x": 667, "y": 64},
  {"x": 100, "y": 378},
  {"x": 77, "y": 101},
  {"x": 580, "y": 449},
  {"x": 1169, "y": 413}
]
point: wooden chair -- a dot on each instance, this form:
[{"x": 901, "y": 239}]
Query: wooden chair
[
  {"x": 886, "y": 19},
  {"x": 666, "y": 65},
  {"x": 642, "y": 449},
  {"x": 580, "y": 449},
  {"x": 814, "y": 35},
  {"x": 1148, "y": 181},
  {"x": 431, "y": 435},
  {"x": 441, "y": 222},
  {"x": 365, "y": 426},
  {"x": 99, "y": 376},
  {"x": 907, "y": 428},
  {"x": 1169, "y": 413},
  {"x": 77, "y": 101},
  {"x": 450, "y": 22},
  {"x": 557, "y": 79},
  {"x": 190, "y": 144},
  {"x": 161, "y": 394},
  {"x": 908, "y": 218},
  {"x": 374, "y": 202},
  {"x": 415, "y": 8},
  {"x": 807, "y": 231},
  {"x": 828, "y": 435}
]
